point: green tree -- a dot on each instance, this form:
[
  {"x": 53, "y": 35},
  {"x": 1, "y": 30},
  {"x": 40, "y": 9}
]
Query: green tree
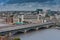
[
  {"x": 47, "y": 15},
  {"x": 17, "y": 39}
]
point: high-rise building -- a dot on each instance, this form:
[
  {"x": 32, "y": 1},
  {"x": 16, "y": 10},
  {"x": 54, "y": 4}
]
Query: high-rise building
[{"x": 39, "y": 11}]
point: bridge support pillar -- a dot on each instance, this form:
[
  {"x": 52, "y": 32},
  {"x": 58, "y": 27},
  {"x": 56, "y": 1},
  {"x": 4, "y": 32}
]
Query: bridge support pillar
[
  {"x": 25, "y": 31},
  {"x": 37, "y": 28},
  {"x": 47, "y": 26},
  {"x": 10, "y": 34}
]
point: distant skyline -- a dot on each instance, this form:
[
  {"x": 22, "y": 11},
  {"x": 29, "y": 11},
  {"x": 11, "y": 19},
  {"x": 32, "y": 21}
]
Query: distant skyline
[{"x": 13, "y": 5}]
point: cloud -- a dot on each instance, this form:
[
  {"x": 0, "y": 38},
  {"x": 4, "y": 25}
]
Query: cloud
[
  {"x": 12, "y": 5},
  {"x": 25, "y": 1},
  {"x": 3, "y": 2},
  {"x": 26, "y": 6}
]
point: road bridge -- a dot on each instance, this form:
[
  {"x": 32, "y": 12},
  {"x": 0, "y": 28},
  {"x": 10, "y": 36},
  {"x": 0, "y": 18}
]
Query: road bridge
[{"x": 25, "y": 28}]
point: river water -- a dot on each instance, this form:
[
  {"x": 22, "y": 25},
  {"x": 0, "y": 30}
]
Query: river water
[{"x": 45, "y": 34}]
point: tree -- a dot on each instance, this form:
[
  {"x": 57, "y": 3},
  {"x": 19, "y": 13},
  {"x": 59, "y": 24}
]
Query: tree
[
  {"x": 47, "y": 15},
  {"x": 17, "y": 39}
]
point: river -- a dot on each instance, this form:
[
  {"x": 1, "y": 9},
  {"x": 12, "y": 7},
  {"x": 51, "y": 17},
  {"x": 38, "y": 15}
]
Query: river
[{"x": 45, "y": 34}]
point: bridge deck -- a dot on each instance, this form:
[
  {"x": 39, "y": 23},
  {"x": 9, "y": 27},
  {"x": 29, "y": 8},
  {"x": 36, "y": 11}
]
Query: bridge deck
[{"x": 7, "y": 28}]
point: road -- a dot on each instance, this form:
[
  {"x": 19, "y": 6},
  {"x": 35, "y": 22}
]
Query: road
[{"x": 14, "y": 27}]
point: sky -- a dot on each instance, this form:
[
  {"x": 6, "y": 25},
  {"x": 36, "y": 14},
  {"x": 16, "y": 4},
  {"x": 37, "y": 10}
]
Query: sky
[{"x": 19, "y": 5}]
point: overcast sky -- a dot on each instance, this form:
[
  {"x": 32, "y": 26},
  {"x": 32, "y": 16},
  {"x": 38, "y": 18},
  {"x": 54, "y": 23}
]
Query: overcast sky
[{"x": 29, "y": 5}]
